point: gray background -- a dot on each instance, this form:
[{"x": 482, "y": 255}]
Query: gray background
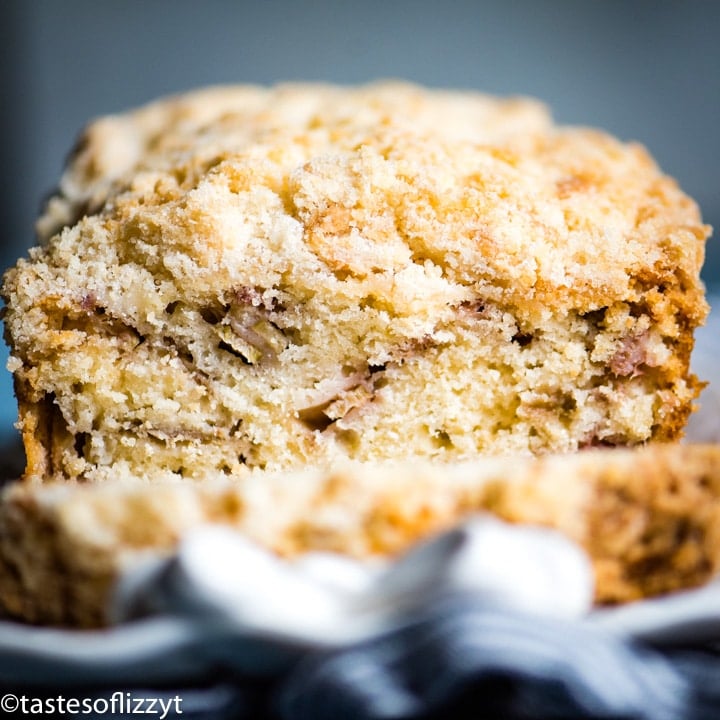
[{"x": 646, "y": 70}]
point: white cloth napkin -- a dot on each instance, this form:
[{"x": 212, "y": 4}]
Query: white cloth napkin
[{"x": 326, "y": 600}]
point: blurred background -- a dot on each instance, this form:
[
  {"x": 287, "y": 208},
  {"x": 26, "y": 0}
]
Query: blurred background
[{"x": 645, "y": 70}]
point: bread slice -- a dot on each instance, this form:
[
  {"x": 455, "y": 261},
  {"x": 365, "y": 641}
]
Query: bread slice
[
  {"x": 649, "y": 519},
  {"x": 267, "y": 278}
]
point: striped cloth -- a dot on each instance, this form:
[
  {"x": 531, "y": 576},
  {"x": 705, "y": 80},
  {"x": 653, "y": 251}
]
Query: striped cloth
[{"x": 459, "y": 658}]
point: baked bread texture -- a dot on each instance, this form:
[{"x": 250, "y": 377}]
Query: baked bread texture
[
  {"x": 649, "y": 519},
  {"x": 267, "y": 278}
]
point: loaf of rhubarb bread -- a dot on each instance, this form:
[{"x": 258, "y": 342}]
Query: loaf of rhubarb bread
[{"x": 250, "y": 278}]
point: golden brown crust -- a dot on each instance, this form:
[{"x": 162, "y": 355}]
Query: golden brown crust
[
  {"x": 649, "y": 519},
  {"x": 274, "y": 277}
]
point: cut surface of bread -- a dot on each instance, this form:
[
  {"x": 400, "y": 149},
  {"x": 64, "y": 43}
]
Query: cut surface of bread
[
  {"x": 267, "y": 278},
  {"x": 649, "y": 519}
]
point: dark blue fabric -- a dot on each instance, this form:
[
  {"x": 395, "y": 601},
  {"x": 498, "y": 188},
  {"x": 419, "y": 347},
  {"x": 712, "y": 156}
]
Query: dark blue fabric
[{"x": 458, "y": 658}]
